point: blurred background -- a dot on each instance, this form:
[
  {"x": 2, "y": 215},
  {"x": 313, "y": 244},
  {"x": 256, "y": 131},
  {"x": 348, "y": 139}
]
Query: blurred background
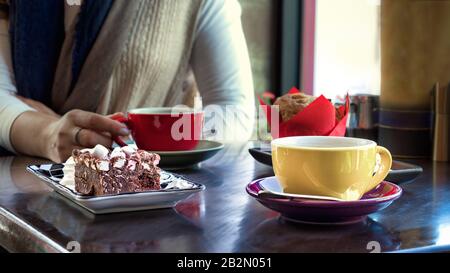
[
  {"x": 392, "y": 57},
  {"x": 323, "y": 46}
]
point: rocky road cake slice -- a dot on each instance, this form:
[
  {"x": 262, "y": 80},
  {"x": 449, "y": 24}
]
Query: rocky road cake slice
[{"x": 101, "y": 172}]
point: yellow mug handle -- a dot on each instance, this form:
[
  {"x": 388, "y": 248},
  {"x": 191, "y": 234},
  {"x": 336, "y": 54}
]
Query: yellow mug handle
[{"x": 385, "y": 167}]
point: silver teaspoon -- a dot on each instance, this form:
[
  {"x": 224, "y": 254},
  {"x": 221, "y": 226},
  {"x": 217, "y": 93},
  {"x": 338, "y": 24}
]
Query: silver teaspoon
[{"x": 268, "y": 194}]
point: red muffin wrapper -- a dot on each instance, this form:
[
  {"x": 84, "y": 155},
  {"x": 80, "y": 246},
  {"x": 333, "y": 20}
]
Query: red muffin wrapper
[{"x": 317, "y": 119}]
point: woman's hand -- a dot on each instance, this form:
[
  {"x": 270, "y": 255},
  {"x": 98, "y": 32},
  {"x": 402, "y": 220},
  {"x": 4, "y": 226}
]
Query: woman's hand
[{"x": 55, "y": 138}]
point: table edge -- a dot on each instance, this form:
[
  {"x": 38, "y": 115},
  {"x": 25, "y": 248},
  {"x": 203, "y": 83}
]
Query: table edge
[{"x": 20, "y": 225}]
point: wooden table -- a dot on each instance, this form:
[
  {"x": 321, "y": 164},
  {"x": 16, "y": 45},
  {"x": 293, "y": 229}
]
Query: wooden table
[{"x": 221, "y": 219}]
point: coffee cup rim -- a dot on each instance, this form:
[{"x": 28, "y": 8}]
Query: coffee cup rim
[
  {"x": 281, "y": 142},
  {"x": 160, "y": 110}
]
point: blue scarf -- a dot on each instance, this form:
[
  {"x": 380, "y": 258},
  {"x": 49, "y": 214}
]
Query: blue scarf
[{"x": 37, "y": 35}]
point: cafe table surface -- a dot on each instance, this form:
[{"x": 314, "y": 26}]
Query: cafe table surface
[{"x": 223, "y": 218}]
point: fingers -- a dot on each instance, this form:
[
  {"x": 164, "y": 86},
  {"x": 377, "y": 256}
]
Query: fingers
[
  {"x": 97, "y": 122},
  {"x": 78, "y": 130},
  {"x": 116, "y": 115},
  {"x": 106, "y": 134},
  {"x": 88, "y": 139}
]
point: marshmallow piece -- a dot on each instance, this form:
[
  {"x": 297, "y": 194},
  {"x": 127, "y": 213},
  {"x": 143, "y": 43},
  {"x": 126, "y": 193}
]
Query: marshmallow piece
[
  {"x": 100, "y": 152},
  {"x": 103, "y": 166},
  {"x": 119, "y": 163},
  {"x": 129, "y": 150},
  {"x": 131, "y": 165},
  {"x": 117, "y": 152}
]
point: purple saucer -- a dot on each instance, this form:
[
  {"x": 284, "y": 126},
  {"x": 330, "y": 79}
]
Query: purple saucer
[{"x": 325, "y": 212}]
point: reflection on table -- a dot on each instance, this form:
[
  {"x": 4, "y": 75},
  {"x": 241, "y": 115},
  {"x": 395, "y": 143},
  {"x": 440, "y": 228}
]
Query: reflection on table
[{"x": 223, "y": 218}]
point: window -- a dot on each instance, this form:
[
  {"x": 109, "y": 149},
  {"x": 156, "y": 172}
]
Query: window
[{"x": 347, "y": 47}]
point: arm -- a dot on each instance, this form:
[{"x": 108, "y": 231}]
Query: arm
[
  {"x": 10, "y": 106},
  {"x": 222, "y": 69},
  {"x": 41, "y": 133}
]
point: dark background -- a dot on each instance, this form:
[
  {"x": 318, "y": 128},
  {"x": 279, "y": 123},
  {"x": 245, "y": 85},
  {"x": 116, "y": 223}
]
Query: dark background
[{"x": 273, "y": 30}]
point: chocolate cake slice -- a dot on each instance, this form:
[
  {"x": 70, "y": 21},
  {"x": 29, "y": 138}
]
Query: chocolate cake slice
[{"x": 101, "y": 172}]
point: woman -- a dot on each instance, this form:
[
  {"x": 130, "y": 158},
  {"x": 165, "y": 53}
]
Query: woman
[{"x": 64, "y": 67}]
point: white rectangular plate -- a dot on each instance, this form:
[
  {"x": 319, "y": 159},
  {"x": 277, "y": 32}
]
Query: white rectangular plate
[{"x": 52, "y": 174}]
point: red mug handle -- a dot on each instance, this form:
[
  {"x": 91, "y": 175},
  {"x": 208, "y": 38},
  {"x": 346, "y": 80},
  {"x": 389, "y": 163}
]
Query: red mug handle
[{"x": 125, "y": 121}]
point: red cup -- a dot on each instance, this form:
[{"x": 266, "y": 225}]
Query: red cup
[{"x": 163, "y": 129}]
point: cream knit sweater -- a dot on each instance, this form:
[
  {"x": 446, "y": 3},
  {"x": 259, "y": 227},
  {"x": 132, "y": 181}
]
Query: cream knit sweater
[
  {"x": 167, "y": 37},
  {"x": 156, "y": 59}
]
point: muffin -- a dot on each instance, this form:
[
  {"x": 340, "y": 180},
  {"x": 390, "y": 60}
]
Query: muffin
[{"x": 291, "y": 104}]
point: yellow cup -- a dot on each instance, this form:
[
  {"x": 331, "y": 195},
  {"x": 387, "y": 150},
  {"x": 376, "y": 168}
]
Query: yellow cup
[{"x": 339, "y": 167}]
